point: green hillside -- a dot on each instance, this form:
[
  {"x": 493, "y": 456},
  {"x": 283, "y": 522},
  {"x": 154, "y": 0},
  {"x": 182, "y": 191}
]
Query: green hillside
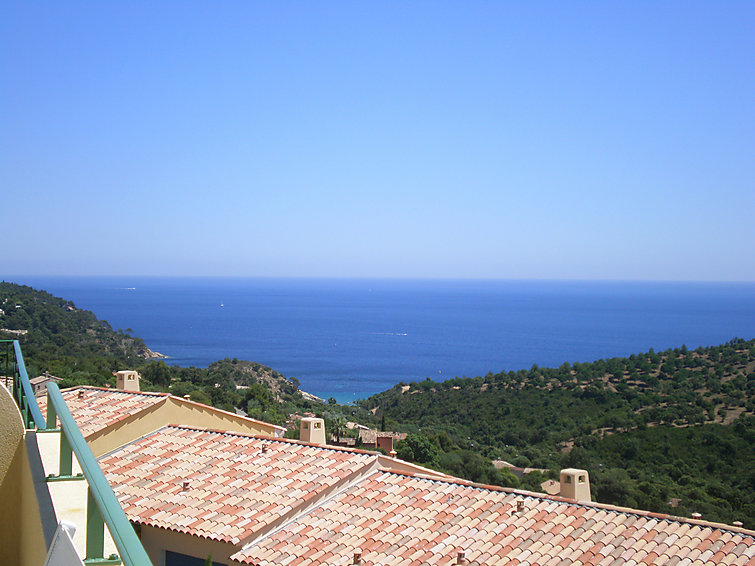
[{"x": 651, "y": 427}]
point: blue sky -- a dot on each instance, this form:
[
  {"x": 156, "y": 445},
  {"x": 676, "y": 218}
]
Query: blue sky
[{"x": 545, "y": 140}]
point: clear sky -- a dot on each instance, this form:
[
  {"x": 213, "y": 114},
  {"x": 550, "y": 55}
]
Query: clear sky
[{"x": 547, "y": 140}]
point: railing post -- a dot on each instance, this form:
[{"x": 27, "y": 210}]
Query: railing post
[
  {"x": 66, "y": 456},
  {"x": 95, "y": 529},
  {"x": 52, "y": 416}
]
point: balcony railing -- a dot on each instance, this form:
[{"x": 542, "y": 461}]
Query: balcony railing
[{"x": 102, "y": 505}]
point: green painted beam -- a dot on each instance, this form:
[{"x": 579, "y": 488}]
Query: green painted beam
[
  {"x": 29, "y": 404},
  {"x": 129, "y": 546},
  {"x": 95, "y": 544}
]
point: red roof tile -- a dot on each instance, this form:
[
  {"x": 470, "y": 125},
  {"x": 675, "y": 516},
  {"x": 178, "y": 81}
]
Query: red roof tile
[
  {"x": 485, "y": 526},
  {"x": 231, "y": 481},
  {"x": 96, "y": 408}
]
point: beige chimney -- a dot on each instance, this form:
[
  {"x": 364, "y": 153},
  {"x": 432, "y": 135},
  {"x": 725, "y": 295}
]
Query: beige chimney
[
  {"x": 127, "y": 380},
  {"x": 575, "y": 484},
  {"x": 312, "y": 430}
]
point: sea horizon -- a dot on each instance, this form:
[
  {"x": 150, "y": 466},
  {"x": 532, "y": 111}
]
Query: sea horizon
[{"x": 351, "y": 337}]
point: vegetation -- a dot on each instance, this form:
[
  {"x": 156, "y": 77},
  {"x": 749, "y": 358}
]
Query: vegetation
[
  {"x": 650, "y": 428},
  {"x": 671, "y": 432}
]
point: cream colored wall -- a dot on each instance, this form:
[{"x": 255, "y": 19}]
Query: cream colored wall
[
  {"x": 11, "y": 473},
  {"x": 157, "y": 541},
  {"x": 38, "y": 516},
  {"x": 172, "y": 410},
  {"x": 69, "y": 497},
  {"x": 22, "y": 539}
]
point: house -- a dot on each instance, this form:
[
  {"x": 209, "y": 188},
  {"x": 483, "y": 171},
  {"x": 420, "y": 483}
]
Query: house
[
  {"x": 374, "y": 439},
  {"x": 109, "y": 418},
  {"x": 39, "y": 383}
]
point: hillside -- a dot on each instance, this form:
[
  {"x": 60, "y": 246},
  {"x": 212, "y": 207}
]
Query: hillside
[
  {"x": 66, "y": 341},
  {"x": 650, "y": 428}
]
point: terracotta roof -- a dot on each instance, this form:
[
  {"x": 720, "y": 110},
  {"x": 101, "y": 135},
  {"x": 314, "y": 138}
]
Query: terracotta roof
[
  {"x": 96, "y": 408},
  {"x": 235, "y": 489},
  {"x": 396, "y": 519}
]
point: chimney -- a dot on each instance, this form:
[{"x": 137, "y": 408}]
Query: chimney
[
  {"x": 312, "y": 430},
  {"x": 461, "y": 557},
  {"x": 519, "y": 505},
  {"x": 185, "y": 486},
  {"x": 575, "y": 484},
  {"x": 81, "y": 393},
  {"x": 264, "y": 448},
  {"x": 127, "y": 380},
  {"x": 357, "y": 557}
]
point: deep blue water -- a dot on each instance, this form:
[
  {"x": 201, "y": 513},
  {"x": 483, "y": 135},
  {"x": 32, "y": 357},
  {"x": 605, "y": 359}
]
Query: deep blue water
[{"x": 352, "y": 338}]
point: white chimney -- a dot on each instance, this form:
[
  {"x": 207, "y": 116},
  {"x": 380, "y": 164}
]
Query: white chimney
[
  {"x": 312, "y": 430},
  {"x": 575, "y": 484},
  {"x": 127, "y": 380}
]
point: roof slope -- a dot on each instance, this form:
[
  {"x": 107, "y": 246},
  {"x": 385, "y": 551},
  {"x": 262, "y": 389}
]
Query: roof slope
[
  {"x": 235, "y": 488},
  {"x": 96, "y": 408},
  {"x": 397, "y": 519}
]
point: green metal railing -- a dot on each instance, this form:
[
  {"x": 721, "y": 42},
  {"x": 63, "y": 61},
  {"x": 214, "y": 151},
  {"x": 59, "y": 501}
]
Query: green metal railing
[
  {"x": 102, "y": 505},
  {"x": 22, "y": 389}
]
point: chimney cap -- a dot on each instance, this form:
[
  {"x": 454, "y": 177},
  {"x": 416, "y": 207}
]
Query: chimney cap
[
  {"x": 738, "y": 523},
  {"x": 696, "y": 515}
]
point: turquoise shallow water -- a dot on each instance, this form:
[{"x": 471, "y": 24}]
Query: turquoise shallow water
[{"x": 352, "y": 338}]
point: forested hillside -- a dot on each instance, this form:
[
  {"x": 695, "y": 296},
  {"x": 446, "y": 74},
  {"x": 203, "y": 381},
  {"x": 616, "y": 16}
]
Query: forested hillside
[
  {"x": 650, "y": 428},
  {"x": 66, "y": 341}
]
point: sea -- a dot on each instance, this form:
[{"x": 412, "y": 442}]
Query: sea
[{"x": 351, "y": 338}]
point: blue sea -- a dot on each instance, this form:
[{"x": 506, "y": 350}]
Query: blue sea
[{"x": 351, "y": 338}]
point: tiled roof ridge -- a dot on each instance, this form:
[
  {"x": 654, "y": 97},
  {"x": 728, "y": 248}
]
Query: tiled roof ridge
[
  {"x": 335, "y": 491},
  {"x": 574, "y": 502},
  {"x": 113, "y": 390},
  {"x": 167, "y": 396},
  {"x": 275, "y": 439}
]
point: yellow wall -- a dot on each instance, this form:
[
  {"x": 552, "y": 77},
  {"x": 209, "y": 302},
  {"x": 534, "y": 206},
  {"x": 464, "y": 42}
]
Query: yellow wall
[
  {"x": 11, "y": 451},
  {"x": 156, "y": 541},
  {"x": 173, "y": 411},
  {"x": 21, "y": 535}
]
